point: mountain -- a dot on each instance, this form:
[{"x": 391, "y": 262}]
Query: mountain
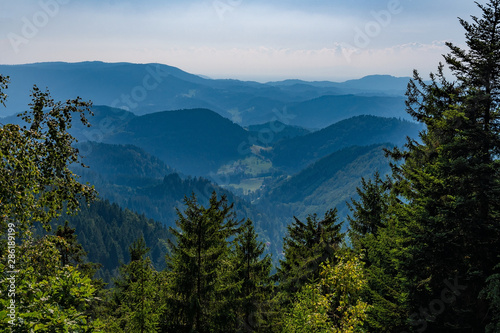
[
  {"x": 326, "y": 183},
  {"x": 103, "y": 83},
  {"x": 271, "y": 132},
  {"x": 149, "y": 88},
  {"x": 371, "y": 85},
  {"x": 196, "y": 141},
  {"x": 139, "y": 88},
  {"x": 136, "y": 180},
  {"x": 121, "y": 164},
  {"x": 327, "y": 110},
  {"x": 294, "y": 154},
  {"x": 377, "y": 83},
  {"x": 105, "y": 121}
]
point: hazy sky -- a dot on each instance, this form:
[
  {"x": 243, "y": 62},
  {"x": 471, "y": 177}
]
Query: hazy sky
[{"x": 244, "y": 39}]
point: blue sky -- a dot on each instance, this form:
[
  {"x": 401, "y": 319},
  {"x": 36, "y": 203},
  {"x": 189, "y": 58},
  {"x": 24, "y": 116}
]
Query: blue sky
[{"x": 244, "y": 39}]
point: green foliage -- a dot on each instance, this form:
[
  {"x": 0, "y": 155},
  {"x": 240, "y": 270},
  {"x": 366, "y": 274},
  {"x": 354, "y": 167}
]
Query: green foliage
[
  {"x": 49, "y": 297},
  {"x": 136, "y": 300},
  {"x": 4, "y": 84},
  {"x": 35, "y": 179},
  {"x": 144, "y": 184},
  {"x": 105, "y": 231},
  {"x": 371, "y": 209},
  {"x": 36, "y": 185},
  {"x": 492, "y": 294},
  {"x": 70, "y": 250},
  {"x": 434, "y": 220},
  {"x": 252, "y": 273},
  {"x": 200, "y": 272},
  {"x": 450, "y": 180},
  {"x": 375, "y": 236},
  {"x": 333, "y": 304},
  {"x": 306, "y": 246}
]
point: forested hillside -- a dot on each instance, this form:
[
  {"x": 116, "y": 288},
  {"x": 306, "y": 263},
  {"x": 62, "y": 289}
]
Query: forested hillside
[
  {"x": 106, "y": 232},
  {"x": 181, "y": 137},
  {"x": 419, "y": 250},
  {"x": 296, "y": 153},
  {"x": 328, "y": 183}
]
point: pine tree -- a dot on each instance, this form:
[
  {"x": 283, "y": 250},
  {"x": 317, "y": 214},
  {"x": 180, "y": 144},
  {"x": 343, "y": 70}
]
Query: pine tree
[
  {"x": 199, "y": 267},
  {"x": 450, "y": 181},
  {"x": 306, "y": 246},
  {"x": 253, "y": 275},
  {"x": 136, "y": 298},
  {"x": 376, "y": 238},
  {"x": 369, "y": 213}
]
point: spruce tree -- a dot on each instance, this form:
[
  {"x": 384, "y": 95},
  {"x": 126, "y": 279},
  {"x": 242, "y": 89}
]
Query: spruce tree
[
  {"x": 306, "y": 246},
  {"x": 369, "y": 213},
  {"x": 199, "y": 267},
  {"x": 253, "y": 276},
  {"x": 450, "y": 182},
  {"x": 136, "y": 298},
  {"x": 376, "y": 238}
]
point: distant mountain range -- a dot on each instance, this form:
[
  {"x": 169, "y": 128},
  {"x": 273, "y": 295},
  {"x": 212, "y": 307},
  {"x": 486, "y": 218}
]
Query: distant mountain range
[
  {"x": 148, "y": 88},
  {"x": 277, "y": 150}
]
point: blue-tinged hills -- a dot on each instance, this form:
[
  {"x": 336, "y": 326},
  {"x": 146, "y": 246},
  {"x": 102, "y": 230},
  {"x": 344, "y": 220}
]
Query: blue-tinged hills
[
  {"x": 331, "y": 109},
  {"x": 295, "y": 154},
  {"x": 149, "y": 88},
  {"x": 327, "y": 183},
  {"x": 195, "y": 141}
]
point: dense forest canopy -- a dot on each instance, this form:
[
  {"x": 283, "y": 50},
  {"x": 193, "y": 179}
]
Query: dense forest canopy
[{"x": 421, "y": 252}]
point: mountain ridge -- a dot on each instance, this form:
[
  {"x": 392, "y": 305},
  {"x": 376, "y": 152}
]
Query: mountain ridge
[{"x": 149, "y": 88}]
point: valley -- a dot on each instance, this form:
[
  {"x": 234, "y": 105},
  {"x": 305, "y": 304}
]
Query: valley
[{"x": 278, "y": 150}]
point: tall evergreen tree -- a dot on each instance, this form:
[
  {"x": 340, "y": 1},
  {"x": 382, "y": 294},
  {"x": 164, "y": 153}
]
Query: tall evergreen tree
[
  {"x": 136, "y": 298},
  {"x": 199, "y": 267},
  {"x": 450, "y": 181},
  {"x": 253, "y": 275},
  {"x": 376, "y": 238}
]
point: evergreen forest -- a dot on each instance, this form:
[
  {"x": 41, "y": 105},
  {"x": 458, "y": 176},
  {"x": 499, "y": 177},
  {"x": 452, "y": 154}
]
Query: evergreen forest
[{"x": 416, "y": 249}]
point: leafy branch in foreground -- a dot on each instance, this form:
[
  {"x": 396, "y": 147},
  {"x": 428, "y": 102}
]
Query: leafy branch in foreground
[{"x": 35, "y": 180}]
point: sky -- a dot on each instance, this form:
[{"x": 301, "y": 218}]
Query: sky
[{"x": 259, "y": 40}]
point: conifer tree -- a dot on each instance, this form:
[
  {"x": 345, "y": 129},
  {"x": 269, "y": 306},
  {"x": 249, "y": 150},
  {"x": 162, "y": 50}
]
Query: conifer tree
[
  {"x": 136, "y": 300},
  {"x": 253, "y": 276},
  {"x": 200, "y": 268},
  {"x": 306, "y": 246},
  {"x": 450, "y": 181},
  {"x": 377, "y": 240},
  {"x": 369, "y": 213}
]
